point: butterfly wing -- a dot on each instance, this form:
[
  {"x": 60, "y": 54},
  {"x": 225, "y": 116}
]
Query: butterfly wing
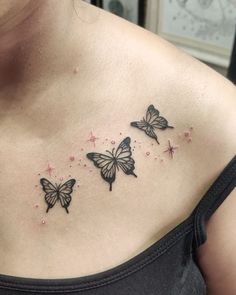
[
  {"x": 51, "y": 192},
  {"x": 146, "y": 127},
  {"x": 64, "y": 193},
  {"x": 123, "y": 157},
  {"x": 151, "y": 114},
  {"x": 106, "y": 164},
  {"x": 156, "y": 121}
]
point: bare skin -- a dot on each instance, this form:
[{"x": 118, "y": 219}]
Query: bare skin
[{"x": 48, "y": 110}]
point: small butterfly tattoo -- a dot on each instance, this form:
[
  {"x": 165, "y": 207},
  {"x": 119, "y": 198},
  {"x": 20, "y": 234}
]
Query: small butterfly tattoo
[
  {"x": 57, "y": 192},
  {"x": 121, "y": 158},
  {"x": 152, "y": 121}
]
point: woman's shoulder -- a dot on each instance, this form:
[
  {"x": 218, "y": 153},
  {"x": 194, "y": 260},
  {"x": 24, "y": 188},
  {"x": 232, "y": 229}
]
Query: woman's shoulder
[
  {"x": 195, "y": 95},
  {"x": 145, "y": 70},
  {"x": 159, "y": 62},
  {"x": 190, "y": 92}
]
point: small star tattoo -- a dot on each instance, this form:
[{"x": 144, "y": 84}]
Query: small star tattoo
[
  {"x": 92, "y": 138},
  {"x": 49, "y": 170},
  {"x": 171, "y": 149}
]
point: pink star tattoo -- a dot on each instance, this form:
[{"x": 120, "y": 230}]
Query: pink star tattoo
[
  {"x": 171, "y": 149},
  {"x": 49, "y": 170},
  {"x": 92, "y": 138}
]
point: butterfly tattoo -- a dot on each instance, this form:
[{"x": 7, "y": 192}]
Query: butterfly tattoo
[
  {"x": 56, "y": 192},
  {"x": 152, "y": 121},
  {"x": 109, "y": 163}
]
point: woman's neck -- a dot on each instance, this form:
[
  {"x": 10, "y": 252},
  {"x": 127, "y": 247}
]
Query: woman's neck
[
  {"x": 35, "y": 44},
  {"x": 38, "y": 77}
]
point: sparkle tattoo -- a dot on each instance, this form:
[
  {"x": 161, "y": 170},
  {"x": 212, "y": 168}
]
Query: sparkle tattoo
[
  {"x": 152, "y": 121},
  {"x": 109, "y": 163},
  {"x": 92, "y": 138},
  {"x": 49, "y": 170},
  {"x": 61, "y": 192},
  {"x": 171, "y": 149}
]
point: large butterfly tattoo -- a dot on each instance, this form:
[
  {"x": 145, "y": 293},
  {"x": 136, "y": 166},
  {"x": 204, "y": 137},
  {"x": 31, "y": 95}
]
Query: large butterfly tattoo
[
  {"x": 57, "y": 192},
  {"x": 152, "y": 121},
  {"x": 121, "y": 158}
]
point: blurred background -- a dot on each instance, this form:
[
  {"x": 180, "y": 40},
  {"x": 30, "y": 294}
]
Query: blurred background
[{"x": 203, "y": 28}]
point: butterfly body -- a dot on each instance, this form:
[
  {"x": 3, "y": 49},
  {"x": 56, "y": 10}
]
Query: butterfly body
[
  {"x": 152, "y": 121},
  {"x": 119, "y": 158},
  {"x": 54, "y": 193},
  {"x": 113, "y": 158},
  {"x": 57, "y": 192}
]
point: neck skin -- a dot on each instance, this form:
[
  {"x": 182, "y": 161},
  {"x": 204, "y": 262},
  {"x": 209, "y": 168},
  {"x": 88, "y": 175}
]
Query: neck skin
[
  {"x": 39, "y": 49},
  {"x": 31, "y": 40},
  {"x": 35, "y": 43}
]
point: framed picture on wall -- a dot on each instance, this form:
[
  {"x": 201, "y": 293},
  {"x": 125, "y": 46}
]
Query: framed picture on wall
[
  {"x": 203, "y": 28},
  {"x": 132, "y": 10},
  {"x": 98, "y": 3}
]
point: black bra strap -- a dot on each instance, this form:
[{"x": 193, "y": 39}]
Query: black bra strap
[{"x": 212, "y": 199}]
